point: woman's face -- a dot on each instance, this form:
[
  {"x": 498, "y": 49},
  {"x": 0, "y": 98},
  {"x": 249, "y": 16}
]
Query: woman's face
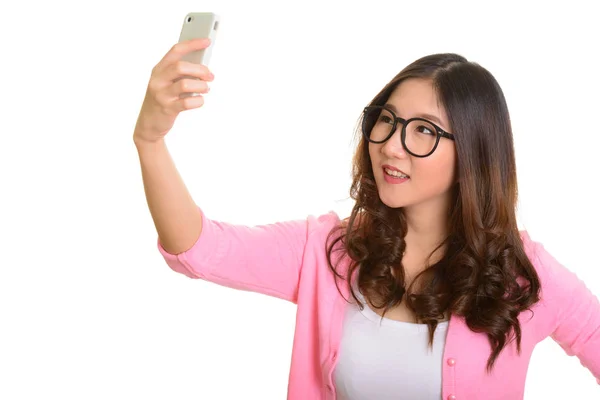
[{"x": 430, "y": 178}]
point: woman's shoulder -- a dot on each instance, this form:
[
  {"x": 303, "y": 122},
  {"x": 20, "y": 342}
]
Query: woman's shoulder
[
  {"x": 534, "y": 251},
  {"x": 321, "y": 224},
  {"x": 550, "y": 270}
]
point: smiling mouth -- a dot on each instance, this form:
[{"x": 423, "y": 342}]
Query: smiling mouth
[{"x": 395, "y": 174}]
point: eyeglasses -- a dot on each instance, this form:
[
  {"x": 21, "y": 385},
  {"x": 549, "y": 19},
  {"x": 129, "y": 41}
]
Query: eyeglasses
[{"x": 419, "y": 136}]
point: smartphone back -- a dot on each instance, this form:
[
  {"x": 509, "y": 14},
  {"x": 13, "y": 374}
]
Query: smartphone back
[{"x": 199, "y": 25}]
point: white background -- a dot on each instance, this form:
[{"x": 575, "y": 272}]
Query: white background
[{"x": 88, "y": 308}]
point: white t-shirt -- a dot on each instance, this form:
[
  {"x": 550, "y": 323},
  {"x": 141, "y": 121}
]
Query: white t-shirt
[{"x": 383, "y": 359}]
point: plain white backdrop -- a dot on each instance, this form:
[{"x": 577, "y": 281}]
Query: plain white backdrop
[{"x": 89, "y": 309}]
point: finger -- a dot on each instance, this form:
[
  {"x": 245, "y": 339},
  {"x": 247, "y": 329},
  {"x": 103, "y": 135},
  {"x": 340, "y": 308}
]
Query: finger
[
  {"x": 180, "y": 49},
  {"x": 184, "y": 86},
  {"x": 188, "y": 103},
  {"x": 169, "y": 97},
  {"x": 181, "y": 69},
  {"x": 178, "y": 71}
]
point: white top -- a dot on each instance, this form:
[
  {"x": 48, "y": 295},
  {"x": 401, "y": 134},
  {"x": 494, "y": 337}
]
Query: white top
[{"x": 383, "y": 359}]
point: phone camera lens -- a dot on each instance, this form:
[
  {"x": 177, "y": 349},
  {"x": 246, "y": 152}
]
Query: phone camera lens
[{"x": 189, "y": 19}]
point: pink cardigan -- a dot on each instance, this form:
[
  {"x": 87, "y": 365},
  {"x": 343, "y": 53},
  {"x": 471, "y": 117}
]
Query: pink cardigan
[{"x": 288, "y": 260}]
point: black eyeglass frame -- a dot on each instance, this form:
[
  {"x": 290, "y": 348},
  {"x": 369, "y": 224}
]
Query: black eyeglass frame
[{"x": 439, "y": 131}]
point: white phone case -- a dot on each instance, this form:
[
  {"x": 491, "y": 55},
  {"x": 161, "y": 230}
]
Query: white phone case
[{"x": 199, "y": 25}]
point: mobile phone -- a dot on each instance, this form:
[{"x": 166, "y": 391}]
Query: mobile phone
[{"x": 200, "y": 25}]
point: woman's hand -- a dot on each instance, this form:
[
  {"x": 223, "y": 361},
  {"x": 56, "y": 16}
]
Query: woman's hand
[{"x": 174, "y": 86}]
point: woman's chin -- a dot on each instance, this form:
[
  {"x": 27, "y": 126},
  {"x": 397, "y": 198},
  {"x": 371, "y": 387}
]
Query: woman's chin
[{"x": 392, "y": 202}]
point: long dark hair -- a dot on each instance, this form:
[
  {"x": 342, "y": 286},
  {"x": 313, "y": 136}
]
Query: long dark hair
[{"x": 476, "y": 278}]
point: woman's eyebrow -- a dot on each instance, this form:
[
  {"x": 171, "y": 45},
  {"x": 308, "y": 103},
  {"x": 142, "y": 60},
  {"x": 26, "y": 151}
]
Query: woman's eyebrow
[{"x": 430, "y": 117}]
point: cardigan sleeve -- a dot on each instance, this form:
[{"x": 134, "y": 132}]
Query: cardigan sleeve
[
  {"x": 267, "y": 259},
  {"x": 576, "y": 325}
]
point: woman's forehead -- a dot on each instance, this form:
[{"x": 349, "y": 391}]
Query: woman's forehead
[{"x": 416, "y": 98}]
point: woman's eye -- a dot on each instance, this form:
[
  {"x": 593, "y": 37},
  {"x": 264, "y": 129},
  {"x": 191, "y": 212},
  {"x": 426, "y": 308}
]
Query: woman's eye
[
  {"x": 425, "y": 130},
  {"x": 386, "y": 119}
]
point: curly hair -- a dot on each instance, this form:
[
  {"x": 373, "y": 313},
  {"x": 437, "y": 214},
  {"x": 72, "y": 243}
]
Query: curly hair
[{"x": 484, "y": 274}]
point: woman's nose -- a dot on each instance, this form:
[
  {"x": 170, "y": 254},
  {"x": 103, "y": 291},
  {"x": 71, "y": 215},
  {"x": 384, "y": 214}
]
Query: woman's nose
[{"x": 393, "y": 146}]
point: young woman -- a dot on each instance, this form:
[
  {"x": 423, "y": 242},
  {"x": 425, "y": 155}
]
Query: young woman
[{"x": 428, "y": 290}]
